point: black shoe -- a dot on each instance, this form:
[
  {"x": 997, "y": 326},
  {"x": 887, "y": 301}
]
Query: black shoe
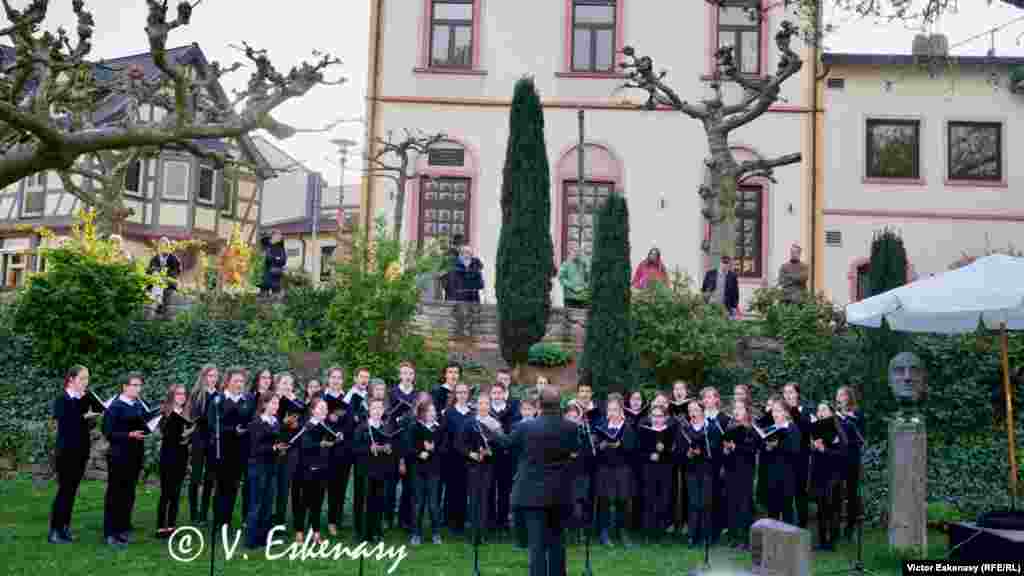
[
  {"x": 66, "y": 533},
  {"x": 56, "y": 537},
  {"x": 114, "y": 542},
  {"x": 123, "y": 538}
]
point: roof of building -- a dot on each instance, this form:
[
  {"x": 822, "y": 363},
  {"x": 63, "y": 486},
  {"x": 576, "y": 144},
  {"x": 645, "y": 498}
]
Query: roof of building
[
  {"x": 111, "y": 107},
  {"x": 855, "y": 59}
]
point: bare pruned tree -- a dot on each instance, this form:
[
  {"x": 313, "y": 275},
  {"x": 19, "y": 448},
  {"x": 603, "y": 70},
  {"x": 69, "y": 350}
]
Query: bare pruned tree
[
  {"x": 719, "y": 121},
  {"x": 50, "y": 94},
  {"x": 910, "y": 11},
  {"x": 396, "y": 161}
]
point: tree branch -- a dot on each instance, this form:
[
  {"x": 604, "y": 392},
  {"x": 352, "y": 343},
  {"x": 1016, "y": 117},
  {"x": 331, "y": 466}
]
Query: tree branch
[
  {"x": 640, "y": 71},
  {"x": 763, "y": 96},
  {"x": 764, "y": 167}
]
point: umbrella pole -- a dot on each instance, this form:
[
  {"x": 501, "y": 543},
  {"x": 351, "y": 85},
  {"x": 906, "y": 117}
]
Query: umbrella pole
[{"x": 1011, "y": 424}]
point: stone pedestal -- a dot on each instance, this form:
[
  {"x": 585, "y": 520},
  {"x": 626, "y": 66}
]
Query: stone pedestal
[
  {"x": 908, "y": 484},
  {"x": 780, "y": 549}
]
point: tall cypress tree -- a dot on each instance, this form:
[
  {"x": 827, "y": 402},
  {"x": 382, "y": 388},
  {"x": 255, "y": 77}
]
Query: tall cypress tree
[
  {"x": 525, "y": 265},
  {"x": 888, "y": 270},
  {"x": 608, "y": 352}
]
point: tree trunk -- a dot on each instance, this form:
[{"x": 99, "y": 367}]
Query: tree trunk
[
  {"x": 720, "y": 204},
  {"x": 399, "y": 215}
]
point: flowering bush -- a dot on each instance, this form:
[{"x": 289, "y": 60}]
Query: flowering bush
[{"x": 78, "y": 307}]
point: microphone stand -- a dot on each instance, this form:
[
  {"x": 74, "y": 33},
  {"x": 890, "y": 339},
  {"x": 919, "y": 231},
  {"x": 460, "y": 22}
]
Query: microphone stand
[
  {"x": 587, "y": 568},
  {"x": 217, "y": 458},
  {"x": 706, "y": 513}
]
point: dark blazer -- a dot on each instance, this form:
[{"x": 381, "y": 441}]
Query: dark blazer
[
  {"x": 732, "y": 287},
  {"x": 546, "y": 445},
  {"x": 173, "y": 267}
]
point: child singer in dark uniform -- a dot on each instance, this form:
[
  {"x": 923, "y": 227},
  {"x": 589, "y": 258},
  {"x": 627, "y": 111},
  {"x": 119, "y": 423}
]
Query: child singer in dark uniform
[
  {"x": 75, "y": 421},
  {"x": 474, "y": 442},
  {"x": 781, "y": 457},
  {"x": 740, "y": 447},
  {"x": 424, "y": 463},
  {"x": 828, "y": 464},
  {"x": 124, "y": 426},
  {"x": 314, "y": 469},
  {"x": 615, "y": 443},
  {"x": 175, "y": 429},
  {"x": 699, "y": 443},
  {"x": 233, "y": 411},
  {"x": 267, "y": 444},
  {"x": 656, "y": 445},
  {"x": 379, "y": 448}
]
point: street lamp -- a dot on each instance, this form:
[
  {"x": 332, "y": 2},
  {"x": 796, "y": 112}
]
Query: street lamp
[{"x": 343, "y": 145}]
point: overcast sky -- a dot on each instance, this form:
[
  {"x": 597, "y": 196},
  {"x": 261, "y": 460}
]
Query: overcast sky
[{"x": 291, "y": 30}]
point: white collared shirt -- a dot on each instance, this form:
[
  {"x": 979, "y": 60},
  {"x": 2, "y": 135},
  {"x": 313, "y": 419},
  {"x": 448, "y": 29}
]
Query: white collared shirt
[
  {"x": 463, "y": 410},
  {"x": 232, "y": 397},
  {"x": 408, "y": 391},
  {"x": 375, "y": 424},
  {"x": 126, "y": 400},
  {"x": 709, "y": 414},
  {"x": 697, "y": 428},
  {"x": 332, "y": 393},
  {"x": 498, "y": 407},
  {"x": 270, "y": 420},
  {"x": 73, "y": 396},
  {"x": 615, "y": 427},
  {"x": 313, "y": 422}
]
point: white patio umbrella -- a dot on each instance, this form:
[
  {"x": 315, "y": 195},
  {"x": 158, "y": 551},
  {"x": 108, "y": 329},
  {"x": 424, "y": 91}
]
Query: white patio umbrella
[{"x": 989, "y": 291}]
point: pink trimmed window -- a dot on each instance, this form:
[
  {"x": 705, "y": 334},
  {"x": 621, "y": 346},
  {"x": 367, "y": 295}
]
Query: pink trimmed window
[
  {"x": 740, "y": 24},
  {"x": 749, "y": 261},
  {"x": 452, "y": 34},
  {"x": 862, "y": 283},
  {"x": 444, "y": 209},
  {"x": 594, "y": 34},
  {"x": 580, "y": 209},
  {"x": 893, "y": 149}
]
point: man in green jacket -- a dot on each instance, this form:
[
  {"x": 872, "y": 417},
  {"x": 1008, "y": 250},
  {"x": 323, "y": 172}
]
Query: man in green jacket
[{"x": 574, "y": 275}]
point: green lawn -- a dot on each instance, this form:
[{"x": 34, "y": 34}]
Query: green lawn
[{"x": 24, "y": 520}]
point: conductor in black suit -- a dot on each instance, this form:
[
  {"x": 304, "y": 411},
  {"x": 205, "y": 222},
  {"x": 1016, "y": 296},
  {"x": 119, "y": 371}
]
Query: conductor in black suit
[
  {"x": 722, "y": 286},
  {"x": 543, "y": 484}
]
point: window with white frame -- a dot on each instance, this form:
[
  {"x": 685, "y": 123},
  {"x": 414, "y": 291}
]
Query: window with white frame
[
  {"x": 739, "y": 26},
  {"x": 451, "y": 33},
  {"x": 593, "y": 36},
  {"x": 175, "y": 184}
]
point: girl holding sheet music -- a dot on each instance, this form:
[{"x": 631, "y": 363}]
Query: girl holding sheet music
[
  {"x": 125, "y": 427},
  {"x": 852, "y": 421},
  {"x": 314, "y": 468},
  {"x": 176, "y": 427},
  {"x": 341, "y": 463},
  {"x": 829, "y": 446},
  {"x": 740, "y": 446},
  {"x": 377, "y": 447},
  {"x": 474, "y": 443},
  {"x": 290, "y": 414},
  {"x": 266, "y": 445},
  {"x": 699, "y": 444},
  {"x": 425, "y": 440},
  {"x": 75, "y": 419},
  {"x": 453, "y": 471},
  {"x": 655, "y": 444},
  {"x": 780, "y": 458},
  {"x": 615, "y": 442}
]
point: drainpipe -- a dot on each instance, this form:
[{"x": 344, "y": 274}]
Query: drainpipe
[
  {"x": 372, "y": 91},
  {"x": 815, "y": 111}
]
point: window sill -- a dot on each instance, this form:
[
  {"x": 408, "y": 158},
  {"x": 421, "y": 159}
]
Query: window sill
[
  {"x": 592, "y": 75},
  {"x": 760, "y": 281},
  {"x": 204, "y": 203},
  {"x": 722, "y": 78},
  {"x": 450, "y": 71},
  {"x": 976, "y": 183},
  {"x": 31, "y": 216},
  {"x": 895, "y": 181}
]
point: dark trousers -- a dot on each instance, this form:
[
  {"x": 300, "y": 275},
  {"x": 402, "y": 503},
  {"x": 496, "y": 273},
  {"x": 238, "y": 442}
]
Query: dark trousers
[
  {"x": 780, "y": 504},
  {"x": 852, "y": 486},
  {"x": 700, "y": 492},
  {"x": 285, "y": 488},
  {"x": 425, "y": 489},
  {"x": 336, "y": 489},
  {"x": 544, "y": 536},
  {"x": 402, "y": 497},
  {"x": 70, "y": 470},
  {"x": 519, "y": 523},
  {"x": 636, "y": 514},
  {"x": 658, "y": 497},
  {"x": 245, "y": 488},
  {"x": 501, "y": 490},
  {"x": 359, "y": 497},
  {"x": 172, "y": 476},
  {"x": 740, "y": 484},
  {"x": 261, "y": 502},
  {"x": 122, "y": 477},
  {"x": 229, "y": 474},
  {"x": 802, "y": 497},
  {"x": 312, "y": 500},
  {"x": 203, "y": 476},
  {"x": 376, "y": 501},
  {"x": 479, "y": 477},
  {"x": 679, "y": 502},
  {"x": 829, "y": 501},
  {"x": 454, "y": 473},
  {"x": 719, "y": 504},
  {"x": 604, "y": 520}
]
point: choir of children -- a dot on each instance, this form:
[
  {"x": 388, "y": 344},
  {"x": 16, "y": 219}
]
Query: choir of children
[{"x": 673, "y": 463}]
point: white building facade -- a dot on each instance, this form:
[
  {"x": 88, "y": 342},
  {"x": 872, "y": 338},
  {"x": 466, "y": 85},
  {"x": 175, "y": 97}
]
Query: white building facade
[
  {"x": 450, "y": 66},
  {"x": 923, "y": 151}
]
